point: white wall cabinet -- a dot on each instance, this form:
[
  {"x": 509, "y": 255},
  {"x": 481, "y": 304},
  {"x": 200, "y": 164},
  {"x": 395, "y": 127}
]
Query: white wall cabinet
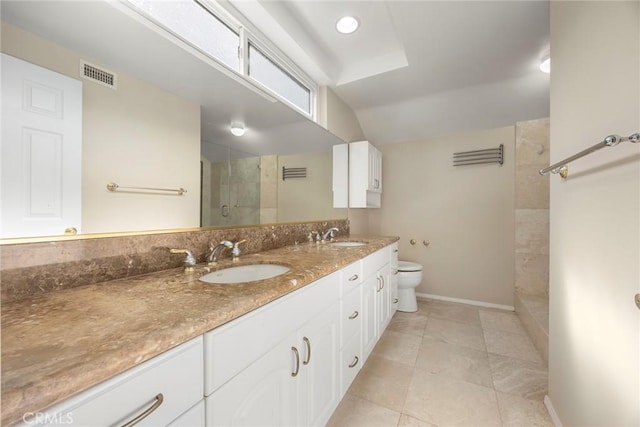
[{"x": 359, "y": 178}]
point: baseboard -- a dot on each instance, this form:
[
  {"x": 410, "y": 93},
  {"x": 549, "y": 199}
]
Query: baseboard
[
  {"x": 552, "y": 411},
  {"x": 467, "y": 301}
]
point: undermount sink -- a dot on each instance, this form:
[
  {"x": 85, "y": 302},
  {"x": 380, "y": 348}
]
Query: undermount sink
[
  {"x": 347, "y": 244},
  {"x": 245, "y": 273}
]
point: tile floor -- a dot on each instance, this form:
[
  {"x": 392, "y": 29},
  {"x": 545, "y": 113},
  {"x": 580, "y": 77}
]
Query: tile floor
[{"x": 449, "y": 365}]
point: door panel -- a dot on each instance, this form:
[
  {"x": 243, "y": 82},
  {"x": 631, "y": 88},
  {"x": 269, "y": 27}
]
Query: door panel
[{"x": 41, "y": 150}]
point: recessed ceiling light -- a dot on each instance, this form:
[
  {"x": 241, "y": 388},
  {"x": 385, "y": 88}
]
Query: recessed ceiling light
[
  {"x": 237, "y": 128},
  {"x": 347, "y": 24},
  {"x": 545, "y": 64}
]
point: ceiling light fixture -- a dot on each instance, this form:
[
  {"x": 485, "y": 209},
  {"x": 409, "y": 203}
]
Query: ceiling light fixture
[
  {"x": 347, "y": 25},
  {"x": 237, "y": 128},
  {"x": 545, "y": 64}
]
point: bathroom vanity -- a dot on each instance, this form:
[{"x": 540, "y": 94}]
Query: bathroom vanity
[{"x": 168, "y": 349}]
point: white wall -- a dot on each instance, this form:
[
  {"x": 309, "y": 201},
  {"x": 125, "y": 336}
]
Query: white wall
[
  {"x": 465, "y": 212},
  {"x": 594, "y": 347},
  {"x": 137, "y": 135}
]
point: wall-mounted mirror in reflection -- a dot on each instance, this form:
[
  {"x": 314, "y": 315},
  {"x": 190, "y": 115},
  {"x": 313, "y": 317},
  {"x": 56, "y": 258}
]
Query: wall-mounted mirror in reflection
[
  {"x": 239, "y": 188},
  {"x": 151, "y": 128}
]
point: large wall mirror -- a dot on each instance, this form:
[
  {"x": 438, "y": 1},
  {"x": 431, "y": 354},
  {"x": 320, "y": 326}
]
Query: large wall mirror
[{"x": 165, "y": 124}]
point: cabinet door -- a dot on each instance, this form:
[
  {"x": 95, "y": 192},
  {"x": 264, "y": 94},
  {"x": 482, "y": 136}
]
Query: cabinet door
[
  {"x": 319, "y": 344},
  {"x": 262, "y": 394},
  {"x": 375, "y": 169},
  {"x": 369, "y": 311},
  {"x": 383, "y": 299}
]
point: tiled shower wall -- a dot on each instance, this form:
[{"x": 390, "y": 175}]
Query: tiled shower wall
[{"x": 532, "y": 230}]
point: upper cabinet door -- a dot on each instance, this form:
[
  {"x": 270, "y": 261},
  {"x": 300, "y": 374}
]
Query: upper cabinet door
[
  {"x": 365, "y": 175},
  {"x": 41, "y": 151}
]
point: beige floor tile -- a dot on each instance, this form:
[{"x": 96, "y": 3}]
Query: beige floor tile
[
  {"x": 456, "y": 312},
  {"x": 423, "y": 307},
  {"x": 519, "y": 377},
  {"x": 455, "y": 361},
  {"x": 444, "y": 401},
  {"x": 518, "y": 412},
  {"x": 501, "y": 321},
  {"x": 408, "y": 323},
  {"x": 400, "y": 347},
  {"x": 354, "y": 411},
  {"x": 452, "y": 332},
  {"x": 383, "y": 381},
  {"x": 407, "y": 421},
  {"x": 512, "y": 345}
]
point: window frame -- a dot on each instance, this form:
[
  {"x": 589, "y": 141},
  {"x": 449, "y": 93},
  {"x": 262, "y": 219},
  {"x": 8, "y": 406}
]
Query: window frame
[
  {"x": 246, "y": 37},
  {"x": 287, "y": 67}
]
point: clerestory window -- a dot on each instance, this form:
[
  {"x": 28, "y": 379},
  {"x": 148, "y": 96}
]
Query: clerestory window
[{"x": 228, "y": 43}]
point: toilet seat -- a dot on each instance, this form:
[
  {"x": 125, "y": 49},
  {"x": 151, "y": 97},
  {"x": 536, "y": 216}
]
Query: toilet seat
[{"x": 407, "y": 266}]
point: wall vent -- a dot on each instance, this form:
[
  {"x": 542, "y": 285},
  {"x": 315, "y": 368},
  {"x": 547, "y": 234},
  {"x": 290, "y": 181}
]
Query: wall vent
[{"x": 98, "y": 75}]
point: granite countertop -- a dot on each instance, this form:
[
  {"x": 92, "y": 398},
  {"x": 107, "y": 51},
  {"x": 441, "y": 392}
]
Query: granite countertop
[{"x": 63, "y": 342}]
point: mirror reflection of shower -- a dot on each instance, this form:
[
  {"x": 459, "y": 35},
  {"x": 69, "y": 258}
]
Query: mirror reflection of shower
[{"x": 231, "y": 186}]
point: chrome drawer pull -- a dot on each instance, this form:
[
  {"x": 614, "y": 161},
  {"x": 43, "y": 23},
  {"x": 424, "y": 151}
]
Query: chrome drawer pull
[
  {"x": 395, "y": 300},
  {"x": 382, "y": 280},
  {"x": 355, "y": 362},
  {"x": 295, "y": 373},
  {"x": 378, "y": 288},
  {"x": 308, "y": 343},
  {"x": 354, "y": 277},
  {"x": 354, "y": 315},
  {"x": 158, "y": 401}
]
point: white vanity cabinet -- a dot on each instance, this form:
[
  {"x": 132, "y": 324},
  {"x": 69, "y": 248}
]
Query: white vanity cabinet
[
  {"x": 279, "y": 364},
  {"x": 357, "y": 175},
  {"x": 393, "y": 278},
  {"x": 376, "y": 298},
  {"x": 163, "y": 391},
  {"x": 350, "y": 325}
]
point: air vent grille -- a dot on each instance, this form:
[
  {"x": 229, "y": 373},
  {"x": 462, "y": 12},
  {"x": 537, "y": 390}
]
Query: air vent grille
[{"x": 98, "y": 75}]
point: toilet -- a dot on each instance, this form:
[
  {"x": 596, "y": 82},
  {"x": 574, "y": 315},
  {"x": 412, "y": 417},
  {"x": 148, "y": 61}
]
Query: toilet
[{"x": 409, "y": 277}]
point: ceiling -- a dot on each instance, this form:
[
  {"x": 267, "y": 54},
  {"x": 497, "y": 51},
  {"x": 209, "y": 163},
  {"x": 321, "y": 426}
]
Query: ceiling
[{"x": 416, "y": 69}]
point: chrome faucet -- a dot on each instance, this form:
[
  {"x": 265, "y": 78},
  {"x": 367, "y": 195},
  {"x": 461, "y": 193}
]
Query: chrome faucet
[
  {"x": 215, "y": 251},
  {"x": 189, "y": 259},
  {"x": 328, "y": 235},
  {"x": 235, "y": 252}
]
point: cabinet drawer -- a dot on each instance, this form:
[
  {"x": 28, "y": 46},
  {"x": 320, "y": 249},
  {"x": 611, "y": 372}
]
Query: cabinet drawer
[
  {"x": 234, "y": 346},
  {"x": 350, "y": 315},
  {"x": 351, "y": 277},
  {"x": 350, "y": 363},
  {"x": 176, "y": 375},
  {"x": 194, "y": 417}
]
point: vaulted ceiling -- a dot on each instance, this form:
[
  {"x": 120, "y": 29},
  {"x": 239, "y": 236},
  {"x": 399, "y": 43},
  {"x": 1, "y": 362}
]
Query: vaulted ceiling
[{"x": 415, "y": 69}]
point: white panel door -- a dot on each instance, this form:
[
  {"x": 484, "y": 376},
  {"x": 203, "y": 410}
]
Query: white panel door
[{"x": 41, "y": 150}]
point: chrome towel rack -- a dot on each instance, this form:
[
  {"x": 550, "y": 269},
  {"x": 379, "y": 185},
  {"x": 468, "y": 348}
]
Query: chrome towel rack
[
  {"x": 478, "y": 157},
  {"x": 112, "y": 186},
  {"x": 609, "y": 141}
]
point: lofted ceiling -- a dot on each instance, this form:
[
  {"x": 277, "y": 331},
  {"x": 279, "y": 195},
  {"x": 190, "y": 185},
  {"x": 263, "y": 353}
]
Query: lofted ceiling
[{"x": 416, "y": 69}]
